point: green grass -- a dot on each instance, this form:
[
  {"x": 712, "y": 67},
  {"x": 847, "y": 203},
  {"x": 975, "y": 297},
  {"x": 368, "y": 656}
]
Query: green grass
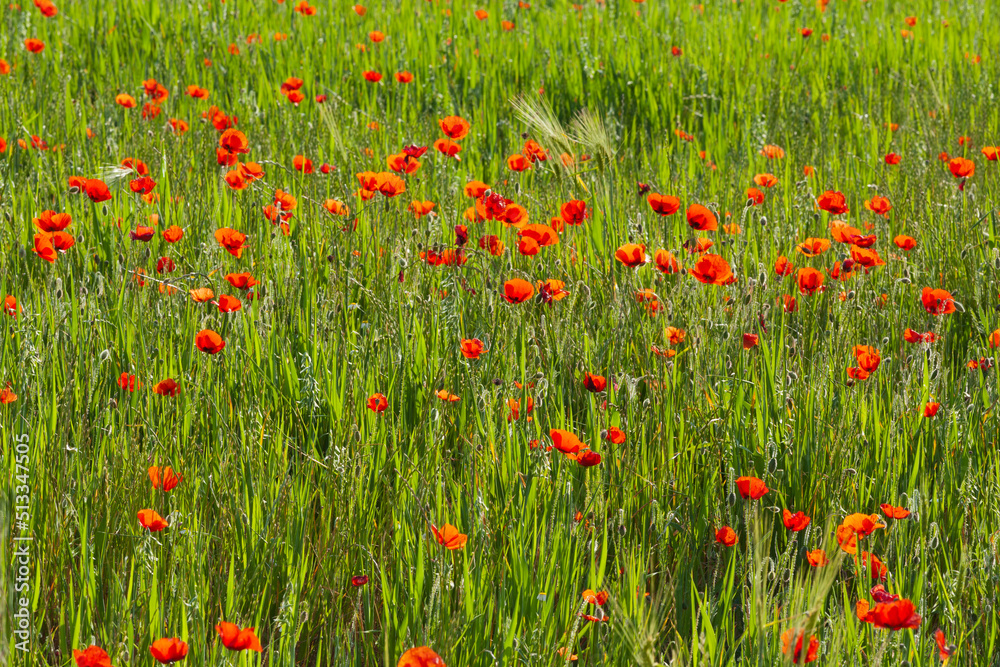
[{"x": 292, "y": 486}]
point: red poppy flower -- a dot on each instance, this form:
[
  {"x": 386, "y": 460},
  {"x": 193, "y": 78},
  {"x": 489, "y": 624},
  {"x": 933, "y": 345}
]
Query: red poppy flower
[
  {"x": 754, "y": 196},
  {"x": 231, "y": 240},
  {"x": 795, "y": 522},
  {"x": 92, "y": 656},
  {"x": 809, "y": 280},
  {"x": 173, "y": 234},
  {"x": 142, "y": 186},
  {"x": 50, "y": 221},
  {"x": 833, "y": 201},
  {"x": 961, "y": 167},
  {"x": 726, "y": 536},
  {"x": 164, "y": 478},
  {"x": 892, "y": 158},
  {"x": 378, "y": 403},
  {"x": 944, "y": 650},
  {"x": 894, "y": 616},
  {"x": 750, "y": 341},
  {"x": 892, "y": 512},
  {"x": 782, "y": 267},
  {"x": 235, "y": 639},
  {"x": 34, "y": 45},
  {"x": 615, "y": 435},
  {"x": 234, "y": 141},
  {"x": 359, "y": 580},
  {"x": 713, "y": 270},
  {"x": 937, "y": 301},
  {"x": 152, "y": 521},
  {"x": 472, "y": 348},
  {"x": 751, "y": 487},
  {"x": 666, "y": 262},
  {"x": 420, "y": 656},
  {"x": 404, "y": 76},
  {"x": 792, "y": 647},
  {"x": 905, "y": 242},
  {"x": 209, "y": 342},
  {"x": 701, "y": 219},
  {"x": 303, "y": 164},
  {"x": 663, "y": 204},
  {"x": 450, "y": 537},
  {"x": 97, "y": 190},
  {"x": 10, "y": 306},
  {"x": 167, "y": 387},
  {"x": 168, "y": 650},
  {"x": 594, "y": 383},
  {"x": 588, "y": 459},
  {"x": 229, "y": 304},
  {"x": 931, "y": 409},
  {"x": 878, "y": 205},
  {"x": 574, "y": 212}
]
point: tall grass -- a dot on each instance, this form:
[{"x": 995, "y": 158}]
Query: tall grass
[{"x": 291, "y": 486}]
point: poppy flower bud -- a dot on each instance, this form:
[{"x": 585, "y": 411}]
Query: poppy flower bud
[
  {"x": 105, "y": 209},
  {"x": 772, "y": 465},
  {"x": 849, "y": 382},
  {"x": 747, "y": 297},
  {"x": 112, "y": 403},
  {"x": 497, "y": 381},
  {"x": 763, "y": 220},
  {"x": 850, "y": 295},
  {"x": 932, "y": 543},
  {"x": 959, "y": 307},
  {"x": 848, "y": 264},
  {"x": 762, "y": 279},
  {"x": 904, "y": 280},
  {"x": 604, "y": 434},
  {"x": 731, "y": 498},
  {"x": 996, "y": 263},
  {"x": 885, "y": 341}
]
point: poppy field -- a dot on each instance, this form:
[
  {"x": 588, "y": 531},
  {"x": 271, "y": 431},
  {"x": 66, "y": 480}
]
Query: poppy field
[{"x": 438, "y": 332}]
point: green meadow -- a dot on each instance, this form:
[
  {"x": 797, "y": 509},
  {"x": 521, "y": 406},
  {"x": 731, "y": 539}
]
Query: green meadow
[{"x": 312, "y": 511}]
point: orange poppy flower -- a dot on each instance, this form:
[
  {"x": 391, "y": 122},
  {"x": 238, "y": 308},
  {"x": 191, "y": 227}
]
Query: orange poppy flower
[
  {"x": 164, "y": 478},
  {"x": 701, "y": 219},
  {"x": 166, "y": 651},
  {"x": 378, "y": 403},
  {"x": 632, "y": 255},
  {"x": 817, "y": 558},
  {"x": 447, "y": 147},
  {"x": 905, "y": 243},
  {"x": 472, "y": 348},
  {"x": 809, "y": 280},
  {"x": 892, "y": 512},
  {"x": 152, "y": 521},
  {"x": 404, "y": 76},
  {"x": 209, "y": 342},
  {"x": 911, "y": 336},
  {"x": 475, "y": 189},
  {"x": 518, "y": 162},
  {"x": 92, "y": 656},
  {"x": 699, "y": 245},
  {"x": 235, "y": 639},
  {"x": 813, "y": 247},
  {"x": 481, "y": 14},
  {"x": 991, "y": 153},
  {"x": 454, "y": 127},
  {"x": 713, "y": 270},
  {"x": 595, "y": 598},
  {"x": 792, "y": 647},
  {"x": 448, "y": 398},
  {"x": 565, "y": 441},
  {"x": 754, "y": 196},
  {"x": 751, "y": 487},
  {"x": 866, "y": 257},
  {"x": 50, "y": 221},
  {"x": 863, "y": 524},
  {"x": 663, "y": 204},
  {"x": 10, "y": 306},
  {"x": 449, "y": 537},
  {"x": 666, "y": 262},
  {"x": 303, "y": 164},
  {"x": 534, "y": 151},
  {"x": 492, "y": 244},
  {"x": 931, "y": 409},
  {"x": 782, "y": 267},
  {"x": 34, "y": 45},
  {"x": 594, "y": 383},
  {"x": 765, "y": 180},
  {"x": 961, "y": 167},
  {"x": 402, "y": 163},
  {"x": 229, "y": 304},
  {"x": 615, "y": 435},
  {"x": 937, "y": 301},
  {"x": 43, "y": 247},
  {"x": 420, "y": 656},
  {"x": 231, "y": 240},
  {"x": 944, "y": 650},
  {"x": 726, "y": 536},
  {"x": 834, "y": 202},
  {"x": 772, "y": 152},
  {"x": 878, "y": 205},
  {"x": 517, "y": 290},
  {"x": 795, "y": 522}
]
